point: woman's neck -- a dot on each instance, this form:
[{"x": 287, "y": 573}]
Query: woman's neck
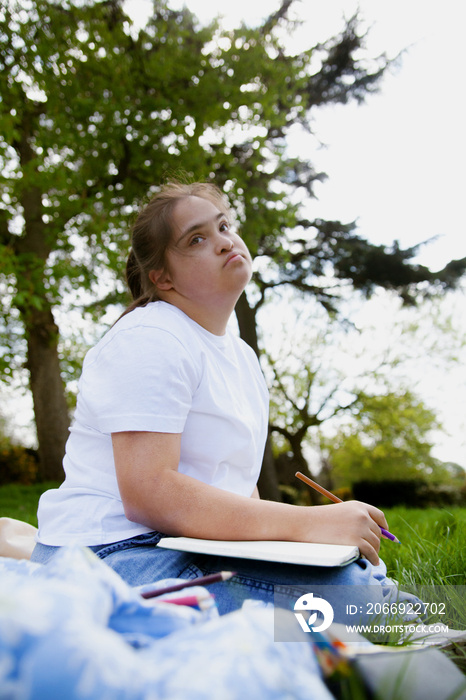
[{"x": 214, "y": 319}]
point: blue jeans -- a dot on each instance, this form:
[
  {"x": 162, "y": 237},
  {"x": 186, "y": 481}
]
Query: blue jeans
[{"x": 139, "y": 561}]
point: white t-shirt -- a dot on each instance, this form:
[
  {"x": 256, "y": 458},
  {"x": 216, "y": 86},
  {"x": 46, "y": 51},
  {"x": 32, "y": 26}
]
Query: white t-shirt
[{"x": 157, "y": 370}]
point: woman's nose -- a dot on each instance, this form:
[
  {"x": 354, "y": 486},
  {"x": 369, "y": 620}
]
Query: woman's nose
[{"x": 224, "y": 244}]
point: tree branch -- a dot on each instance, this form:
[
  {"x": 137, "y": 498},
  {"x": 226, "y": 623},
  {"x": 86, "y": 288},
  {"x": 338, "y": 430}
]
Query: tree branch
[{"x": 275, "y": 18}]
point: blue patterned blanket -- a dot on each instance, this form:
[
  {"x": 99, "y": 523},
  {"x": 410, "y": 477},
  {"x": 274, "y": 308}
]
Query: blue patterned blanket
[{"x": 73, "y": 629}]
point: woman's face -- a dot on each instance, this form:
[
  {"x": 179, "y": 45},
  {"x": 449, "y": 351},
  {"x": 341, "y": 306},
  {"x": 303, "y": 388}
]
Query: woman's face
[{"x": 206, "y": 263}]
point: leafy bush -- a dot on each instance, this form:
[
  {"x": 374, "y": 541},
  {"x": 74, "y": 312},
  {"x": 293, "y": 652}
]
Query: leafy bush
[{"x": 17, "y": 464}]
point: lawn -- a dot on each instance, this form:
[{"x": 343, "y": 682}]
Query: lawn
[
  {"x": 430, "y": 560},
  {"x": 433, "y": 546},
  {"x": 20, "y": 502}
]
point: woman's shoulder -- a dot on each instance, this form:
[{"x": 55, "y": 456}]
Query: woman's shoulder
[
  {"x": 155, "y": 316},
  {"x": 156, "y": 325}
]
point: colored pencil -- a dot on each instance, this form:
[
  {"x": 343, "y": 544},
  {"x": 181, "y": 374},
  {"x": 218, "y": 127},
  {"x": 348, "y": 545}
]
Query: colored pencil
[
  {"x": 199, "y": 581},
  {"x": 388, "y": 535},
  {"x": 192, "y": 601}
]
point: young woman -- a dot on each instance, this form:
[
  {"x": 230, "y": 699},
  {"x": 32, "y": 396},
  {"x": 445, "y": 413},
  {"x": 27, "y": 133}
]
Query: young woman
[{"x": 171, "y": 423}]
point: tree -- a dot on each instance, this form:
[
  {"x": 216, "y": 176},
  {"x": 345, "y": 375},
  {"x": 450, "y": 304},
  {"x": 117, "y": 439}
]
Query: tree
[
  {"x": 86, "y": 125},
  {"x": 93, "y": 114},
  {"x": 386, "y": 438},
  {"x": 306, "y": 391},
  {"x": 347, "y": 398}
]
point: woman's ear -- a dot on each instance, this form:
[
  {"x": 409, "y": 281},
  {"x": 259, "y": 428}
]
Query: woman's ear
[{"x": 161, "y": 279}]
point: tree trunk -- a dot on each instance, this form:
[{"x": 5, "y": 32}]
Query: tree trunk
[
  {"x": 268, "y": 482},
  {"x": 300, "y": 464},
  {"x": 48, "y": 393},
  {"x": 247, "y": 322},
  {"x": 32, "y": 250}
]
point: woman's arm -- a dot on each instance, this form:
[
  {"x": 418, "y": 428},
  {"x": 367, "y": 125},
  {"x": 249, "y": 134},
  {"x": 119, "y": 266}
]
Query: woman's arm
[{"x": 155, "y": 494}]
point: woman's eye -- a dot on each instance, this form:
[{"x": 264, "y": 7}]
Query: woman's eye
[
  {"x": 195, "y": 240},
  {"x": 223, "y": 226}
]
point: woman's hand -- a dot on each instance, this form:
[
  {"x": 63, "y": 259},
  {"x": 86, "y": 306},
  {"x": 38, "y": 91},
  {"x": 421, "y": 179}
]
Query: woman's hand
[{"x": 351, "y": 522}]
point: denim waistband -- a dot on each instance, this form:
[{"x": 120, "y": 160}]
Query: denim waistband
[{"x": 148, "y": 538}]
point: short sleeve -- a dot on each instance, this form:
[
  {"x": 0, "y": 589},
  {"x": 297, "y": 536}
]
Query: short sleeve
[{"x": 142, "y": 378}]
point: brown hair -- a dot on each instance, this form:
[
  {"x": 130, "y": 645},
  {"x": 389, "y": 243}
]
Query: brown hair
[{"x": 152, "y": 234}]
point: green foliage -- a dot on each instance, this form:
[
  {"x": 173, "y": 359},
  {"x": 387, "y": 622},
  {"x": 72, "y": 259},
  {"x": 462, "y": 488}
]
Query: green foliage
[
  {"x": 387, "y": 438},
  {"x": 84, "y": 117},
  {"x": 17, "y": 464}
]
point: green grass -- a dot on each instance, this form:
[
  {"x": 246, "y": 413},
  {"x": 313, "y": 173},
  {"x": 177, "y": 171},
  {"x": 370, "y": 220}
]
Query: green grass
[
  {"x": 432, "y": 549},
  {"x": 20, "y": 502},
  {"x": 431, "y": 561}
]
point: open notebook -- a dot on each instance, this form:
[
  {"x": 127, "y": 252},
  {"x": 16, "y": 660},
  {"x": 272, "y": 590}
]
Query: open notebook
[{"x": 306, "y": 553}]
